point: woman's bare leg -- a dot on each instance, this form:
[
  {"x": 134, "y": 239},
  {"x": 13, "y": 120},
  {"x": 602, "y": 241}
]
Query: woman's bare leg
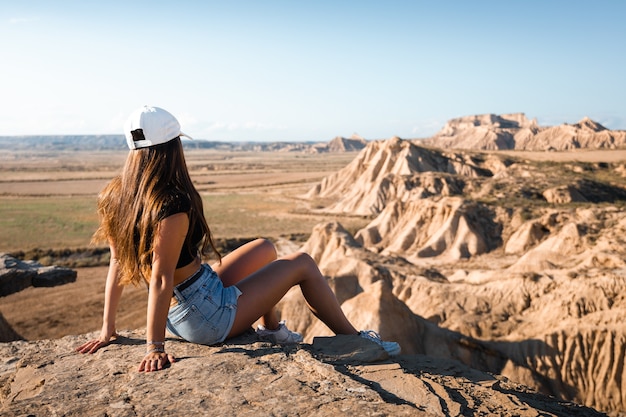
[
  {"x": 265, "y": 287},
  {"x": 244, "y": 261}
]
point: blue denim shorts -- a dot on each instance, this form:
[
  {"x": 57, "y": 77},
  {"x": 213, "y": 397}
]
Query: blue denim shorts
[{"x": 205, "y": 311}]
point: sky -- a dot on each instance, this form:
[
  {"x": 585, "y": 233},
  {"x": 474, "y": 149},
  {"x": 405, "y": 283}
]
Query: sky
[{"x": 269, "y": 70}]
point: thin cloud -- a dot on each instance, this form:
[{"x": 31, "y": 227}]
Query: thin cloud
[
  {"x": 245, "y": 126},
  {"x": 22, "y": 20},
  {"x": 427, "y": 128},
  {"x": 221, "y": 126},
  {"x": 263, "y": 126}
]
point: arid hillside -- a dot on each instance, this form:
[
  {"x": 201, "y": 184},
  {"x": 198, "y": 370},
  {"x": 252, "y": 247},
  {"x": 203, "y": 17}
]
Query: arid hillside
[{"x": 522, "y": 260}]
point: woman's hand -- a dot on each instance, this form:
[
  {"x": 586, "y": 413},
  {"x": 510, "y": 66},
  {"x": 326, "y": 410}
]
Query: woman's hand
[
  {"x": 95, "y": 344},
  {"x": 112, "y": 294},
  {"x": 155, "y": 361}
]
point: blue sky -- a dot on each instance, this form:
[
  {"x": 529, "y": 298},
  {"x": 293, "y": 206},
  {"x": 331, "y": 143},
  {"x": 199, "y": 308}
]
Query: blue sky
[{"x": 292, "y": 70}]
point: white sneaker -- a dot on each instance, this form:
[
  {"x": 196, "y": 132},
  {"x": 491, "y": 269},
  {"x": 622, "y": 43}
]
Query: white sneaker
[
  {"x": 280, "y": 336},
  {"x": 392, "y": 348}
]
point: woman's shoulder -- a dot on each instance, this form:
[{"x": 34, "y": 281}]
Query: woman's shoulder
[{"x": 174, "y": 202}]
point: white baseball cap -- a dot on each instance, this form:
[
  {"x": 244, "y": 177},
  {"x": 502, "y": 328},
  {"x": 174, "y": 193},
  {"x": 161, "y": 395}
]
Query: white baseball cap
[{"x": 149, "y": 126}]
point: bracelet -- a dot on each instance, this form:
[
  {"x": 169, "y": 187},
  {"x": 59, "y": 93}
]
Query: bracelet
[
  {"x": 155, "y": 350},
  {"x": 150, "y": 342}
]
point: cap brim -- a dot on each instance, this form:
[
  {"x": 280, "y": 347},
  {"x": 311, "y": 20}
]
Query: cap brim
[{"x": 187, "y": 136}]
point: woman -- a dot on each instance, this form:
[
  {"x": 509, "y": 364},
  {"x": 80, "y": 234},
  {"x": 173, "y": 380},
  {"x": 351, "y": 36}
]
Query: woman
[{"x": 152, "y": 217}]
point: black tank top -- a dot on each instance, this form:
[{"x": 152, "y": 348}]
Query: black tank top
[{"x": 181, "y": 203}]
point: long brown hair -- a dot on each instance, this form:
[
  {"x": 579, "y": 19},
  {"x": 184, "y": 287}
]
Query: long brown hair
[{"x": 129, "y": 207}]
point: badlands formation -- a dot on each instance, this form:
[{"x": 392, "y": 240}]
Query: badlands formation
[
  {"x": 510, "y": 266},
  {"x": 515, "y": 131}
]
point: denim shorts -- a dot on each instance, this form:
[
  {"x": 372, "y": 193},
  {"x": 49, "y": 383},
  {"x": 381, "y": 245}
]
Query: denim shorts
[{"x": 205, "y": 311}]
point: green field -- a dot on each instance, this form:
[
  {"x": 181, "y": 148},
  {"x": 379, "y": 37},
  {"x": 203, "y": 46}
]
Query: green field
[
  {"x": 51, "y": 222},
  {"x": 68, "y": 222}
]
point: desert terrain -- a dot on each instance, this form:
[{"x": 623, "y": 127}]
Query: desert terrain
[{"x": 509, "y": 261}]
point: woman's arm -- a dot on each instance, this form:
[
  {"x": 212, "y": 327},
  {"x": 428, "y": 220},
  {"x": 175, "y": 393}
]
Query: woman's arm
[
  {"x": 169, "y": 241},
  {"x": 112, "y": 294}
]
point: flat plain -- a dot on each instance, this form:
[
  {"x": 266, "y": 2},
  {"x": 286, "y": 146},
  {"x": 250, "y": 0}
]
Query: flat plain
[{"x": 48, "y": 201}]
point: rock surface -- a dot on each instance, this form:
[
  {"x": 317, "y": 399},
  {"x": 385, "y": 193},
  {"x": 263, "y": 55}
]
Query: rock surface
[
  {"x": 333, "y": 376},
  {"x": 15, "y": 275}
]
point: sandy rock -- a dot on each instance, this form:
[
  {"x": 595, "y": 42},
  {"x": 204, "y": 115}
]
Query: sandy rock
[
  {"x": 247, "y": 378},
  {"x": 487, "y": 131},
  {"x": 385, "y": 170},
  {"x": 527, "y": 236},
  {"x": 341, "y": 144},
  {"x": 555, "y": 252},
  {"x": 450, "y": 227},
  {"x": 563, "y": 194}
]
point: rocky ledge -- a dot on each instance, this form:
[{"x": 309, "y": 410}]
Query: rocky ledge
[
  {"x": 15, "y": 275},
  {"x": 332, "y": 376}
]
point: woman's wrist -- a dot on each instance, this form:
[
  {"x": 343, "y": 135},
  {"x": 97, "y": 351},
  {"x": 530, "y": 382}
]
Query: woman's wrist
[{"x": 154, "y": 346}]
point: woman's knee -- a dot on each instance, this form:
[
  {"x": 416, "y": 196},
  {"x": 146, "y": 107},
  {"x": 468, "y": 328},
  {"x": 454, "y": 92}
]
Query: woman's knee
[
  {"x": 266, "y": 248},
  {"x": 304, "y": 262}
]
